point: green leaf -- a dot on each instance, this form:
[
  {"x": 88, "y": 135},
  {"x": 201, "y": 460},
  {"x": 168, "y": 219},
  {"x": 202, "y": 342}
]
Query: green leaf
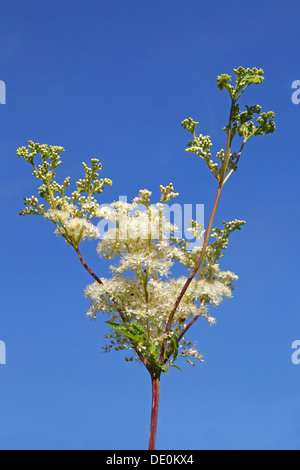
[
  {"x": 175, "y": 345},
  {"x": 140, "y": 331},
  {"x": 163, "y": 368},
  {"x": 174, "y": 365},
  {"x": 127, "y": 331},
  {"x": 153, "y": 350}
]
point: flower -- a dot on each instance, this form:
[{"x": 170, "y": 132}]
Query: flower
[{"x": 141, "y": 245}]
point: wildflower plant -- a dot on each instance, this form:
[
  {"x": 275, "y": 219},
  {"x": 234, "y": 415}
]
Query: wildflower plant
[{"x": 149, "y": 311}]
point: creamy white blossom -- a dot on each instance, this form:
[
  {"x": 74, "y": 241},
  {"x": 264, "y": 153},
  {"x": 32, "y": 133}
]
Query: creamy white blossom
[
  {"x": 142, "y": 285},
  {"x": 67, "y": 223},
  {"x": 144, "y": 256}
]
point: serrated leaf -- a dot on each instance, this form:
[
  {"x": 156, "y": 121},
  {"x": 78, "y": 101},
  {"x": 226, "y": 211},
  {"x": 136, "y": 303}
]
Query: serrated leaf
[
  {"x": 153, "y": 349},
  {"x": 139, "y": 330},
  {"x": 126, "y": 330}
]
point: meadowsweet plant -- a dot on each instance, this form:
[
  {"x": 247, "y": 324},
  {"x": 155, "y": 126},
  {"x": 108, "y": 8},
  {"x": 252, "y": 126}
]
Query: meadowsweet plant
[{"x": 147, "y": 309}]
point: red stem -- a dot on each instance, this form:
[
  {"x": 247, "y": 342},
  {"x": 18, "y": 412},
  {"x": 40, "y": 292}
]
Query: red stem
[
  {"x": 122, "y": 315},
  {"x": 207, "y": 235},
  {"x": 154, "y": 409},
  {"x": 193, "y": 273},
  {"x": 85, "y": 265},
  {"x": 190, "y": 324}
]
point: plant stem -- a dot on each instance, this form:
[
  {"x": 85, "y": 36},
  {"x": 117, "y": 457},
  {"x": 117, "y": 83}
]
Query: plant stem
[
  {"x": 97, "y": 279},
  {"x": 154, "y": 409},
  {"x": 207, "y": 235},
  {"x": 190, "y": 324},
  {"x": 122, "y": 315},
  {"x": 236, "y": 162},
  {"x": 193, "y": 273}
]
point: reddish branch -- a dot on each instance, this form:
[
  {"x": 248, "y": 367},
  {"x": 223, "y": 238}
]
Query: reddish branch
[
  {"x": 154, "y": 410},
  {"x": 122, "y": 315},
  {"x": 188, "y": 326},
  {"x": 207, "y": 235},
  {"x": 86, "y": 266},
  {"x": 192, "y": 275}
]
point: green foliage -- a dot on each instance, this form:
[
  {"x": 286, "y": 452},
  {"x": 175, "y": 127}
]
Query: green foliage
[
  {"x": 91, "y": 183},
  {"x": 134, "y": 332},
  {"x": 244, "y": 124},
  {"x": 244, "y": 78},
  {"x": 248, "y": 123},
  {"x": 70, "y": 214},
  {"x": 215, "y": 250}
]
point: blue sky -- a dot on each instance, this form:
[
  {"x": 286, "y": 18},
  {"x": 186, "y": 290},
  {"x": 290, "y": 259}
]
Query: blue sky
[{"x": 114, "y": 80}]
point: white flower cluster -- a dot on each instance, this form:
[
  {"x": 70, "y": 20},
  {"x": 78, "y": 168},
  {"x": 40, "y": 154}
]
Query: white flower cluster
[
  {"x": 141, "y": 292},
  {"x": 142, "y": 285},
  {"x": 71, "y": 215},
  {"x": 129, "y": 295},
  {"x": 135, "y": 233},
  {"x": 69, "y": 225},
  {"x": 192, "y": 352}
]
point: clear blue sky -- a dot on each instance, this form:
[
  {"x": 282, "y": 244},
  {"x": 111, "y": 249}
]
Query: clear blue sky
[{"x": 114, "y": 80}]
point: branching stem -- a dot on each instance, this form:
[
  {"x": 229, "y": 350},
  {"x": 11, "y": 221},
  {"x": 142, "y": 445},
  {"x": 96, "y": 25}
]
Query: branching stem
[{"x": 207, "y": 235}]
